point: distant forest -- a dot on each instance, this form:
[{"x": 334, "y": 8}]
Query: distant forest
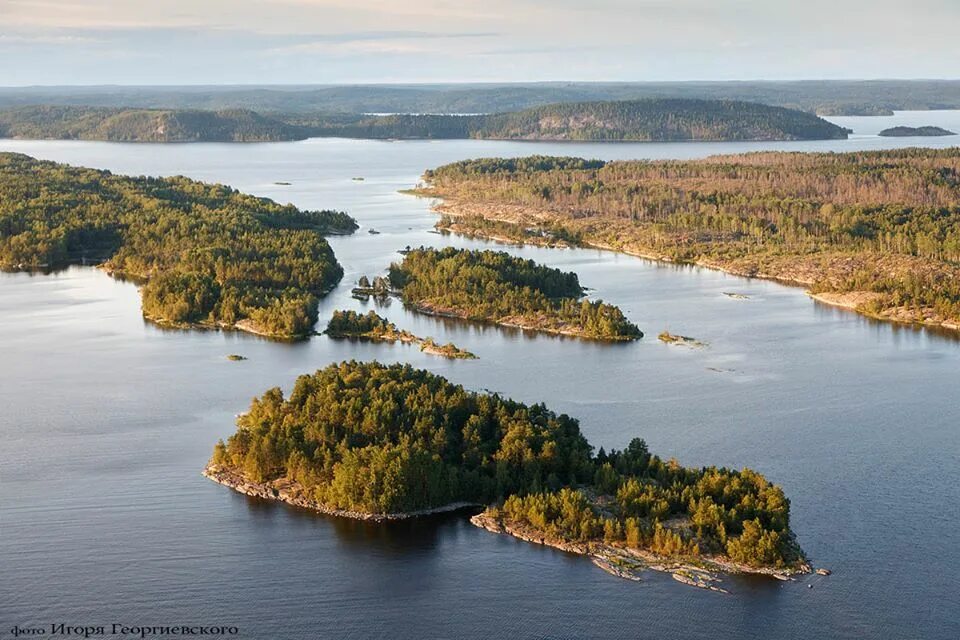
[
  {"x": 825, "y": 97},
  {"x": 884, "y": 225},
  {"x": 638, "y": 120},
  {"x": 205, "y": 253}
]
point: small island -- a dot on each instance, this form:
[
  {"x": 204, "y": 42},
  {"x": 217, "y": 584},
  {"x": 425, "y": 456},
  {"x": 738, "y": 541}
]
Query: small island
[
  {"x": 494, "y": 286},
  {"x": 205, "y": 255},
  {"x": 908, "y": 132},
  {"x": 384, "y": 442},
  {"x": 378, "y": 288},
  {"x": 673, "y": 338},
  {"x": 372, "y": 326}
]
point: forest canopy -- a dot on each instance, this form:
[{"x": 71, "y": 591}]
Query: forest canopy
[
  {"x": 205, "y": 253},
  {"x": 497, "y": 287},
  {"x": 884, "y": 225},
  {"x": 372, "y": 438}
]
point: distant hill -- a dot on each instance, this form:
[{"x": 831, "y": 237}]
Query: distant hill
[
  {"x": 144, "y": 125},
  {"x": 907, "y": 132},
  {"x": 659, "y": 120},
  {"x": 825, "y": 97},
  {"x": 636, "y": 120}
]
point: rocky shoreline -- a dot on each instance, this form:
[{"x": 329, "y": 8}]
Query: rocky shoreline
[
  {"x": 704, "y": 573},
  {"x": 514, "y": 322},
  {"x": 293, "y": 494}
]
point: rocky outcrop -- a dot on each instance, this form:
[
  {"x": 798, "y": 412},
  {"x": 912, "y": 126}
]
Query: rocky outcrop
[{"x": 292, "y": 493}]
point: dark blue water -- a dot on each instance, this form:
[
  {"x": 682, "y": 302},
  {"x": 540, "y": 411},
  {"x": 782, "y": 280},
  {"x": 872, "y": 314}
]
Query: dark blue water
[{"x": 107, "y": 421}]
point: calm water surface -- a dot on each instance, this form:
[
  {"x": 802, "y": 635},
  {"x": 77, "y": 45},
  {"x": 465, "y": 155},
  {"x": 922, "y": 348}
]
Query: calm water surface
[{"x": 107, "y": 421}]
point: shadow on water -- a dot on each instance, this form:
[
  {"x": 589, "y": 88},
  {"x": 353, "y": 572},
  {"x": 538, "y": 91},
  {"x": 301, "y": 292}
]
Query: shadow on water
[
  {"x": 395, "y": 537},
  {"x": 899, "y": 330}
]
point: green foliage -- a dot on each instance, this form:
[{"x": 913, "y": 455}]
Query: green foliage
[
  {"x": 386, "y": 439},
  {"x": 493, "y": 285},
  {"x": 351, "y": 323},
  {"x": 667, "y": 509},
  {"x": 207, "y": 253},
  {"x": 885, "y": 222}
]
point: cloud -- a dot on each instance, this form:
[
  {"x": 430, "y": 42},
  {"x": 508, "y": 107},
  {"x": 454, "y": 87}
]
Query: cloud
[{"x": 324, "y": 41}]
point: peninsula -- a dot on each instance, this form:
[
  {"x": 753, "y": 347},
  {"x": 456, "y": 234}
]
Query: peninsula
[
  {"x": 374, "y": 327},
  {"x": 878, "y": 232},
  {"x": 421, "y": 444},
  {"x": 493, "y": 286},
  {"x": 205, "y": 254}
]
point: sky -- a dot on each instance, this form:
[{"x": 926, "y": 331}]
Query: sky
[{"x": 149, "y": 42}]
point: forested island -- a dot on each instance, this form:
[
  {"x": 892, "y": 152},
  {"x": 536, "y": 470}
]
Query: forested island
[
  {"x": 638, "y": 120},
  {"x": 372, "y": 326},
  {"x": 878, "y": 232},
  {"x": 379, "y": 442},
  {"x": 145, "y": 125},
  {"x": 906, "y": 132},
  {"x": 205, "y": 254},
  {"x": 496, "y": 287},
  {"x": 659, "y": 120}
]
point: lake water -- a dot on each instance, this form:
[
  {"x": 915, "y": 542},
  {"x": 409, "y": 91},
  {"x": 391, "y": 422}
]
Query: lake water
[{"x": 107, "y": 421}]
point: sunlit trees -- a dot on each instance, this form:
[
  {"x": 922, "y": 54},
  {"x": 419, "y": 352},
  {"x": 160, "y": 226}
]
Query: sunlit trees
[
  {"x": 204, "y": 252},
  {"x": 883, "y": 222},
  {"x": 495, "y": 286}
]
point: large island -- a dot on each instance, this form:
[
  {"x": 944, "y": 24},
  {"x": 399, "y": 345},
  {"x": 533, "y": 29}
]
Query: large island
[
  {"x": 631, "y": 120},
  {"x": 205, "y": 254},
  {"x": 878, "y": 232},
  {"x": 379, "y": 442},
  {"x": 494, "y": 286}
]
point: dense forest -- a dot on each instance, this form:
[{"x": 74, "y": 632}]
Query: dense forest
[
  {"x": 206, "y": 254},
  {"x": 826, "y": 97},
  {"x": 876, "y": 230},
  {"x": 350, "y": 324},
  {"x": 497, "y": 287},
  {"x": 145, "y": 125},
  {"x": 370, "y": 438},
  {"x": 659, "y": 119},
  {"x": 641, "y": 120}
]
